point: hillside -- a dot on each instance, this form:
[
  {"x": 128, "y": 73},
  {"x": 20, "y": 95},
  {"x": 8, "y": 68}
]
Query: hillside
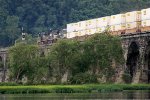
[{"x": 41, "y": 15}]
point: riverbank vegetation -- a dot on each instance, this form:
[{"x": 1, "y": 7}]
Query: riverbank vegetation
[
  {"x": 68, "y": 61},
  {"x": 91, "y": 88}
]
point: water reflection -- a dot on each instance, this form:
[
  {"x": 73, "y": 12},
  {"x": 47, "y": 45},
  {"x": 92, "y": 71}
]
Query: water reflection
[{"x": 81, "y": 96}]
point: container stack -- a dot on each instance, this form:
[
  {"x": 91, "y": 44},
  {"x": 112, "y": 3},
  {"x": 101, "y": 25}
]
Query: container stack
[
  {"x": 127, "y": 23},
  {"x": 145, "y": 20},
  {"x": 102, "y": 24},
  {"x": 133, "y": 21},
  {"x": 70, "y": 30},
  {"x": 90, "y": 27},
  {"x": 81, "y": 28},
  {"x": 117, "y": 24}
]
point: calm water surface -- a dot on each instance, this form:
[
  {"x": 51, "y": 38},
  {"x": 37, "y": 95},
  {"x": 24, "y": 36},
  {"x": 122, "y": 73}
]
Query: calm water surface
[{"x": 81, "y": 96}]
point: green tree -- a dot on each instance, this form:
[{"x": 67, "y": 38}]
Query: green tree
[
  {"x": 12, "y": 28},
  {"x": 41, "y": 15},
  {"x": 101, "y": 50},
  {"x": 62, "y": 56},
  {"x": 24, "y": 60},
  {"x": 95, "y": 56},
  {"x": 29, "y": 39}
]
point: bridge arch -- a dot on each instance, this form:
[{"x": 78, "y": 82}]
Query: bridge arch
[
  {"x": 1, "y": 59},
  {"x": 132, "y": 58},
  {"x": 147, "y": 61},
  {"x": 1, "y": 62}
]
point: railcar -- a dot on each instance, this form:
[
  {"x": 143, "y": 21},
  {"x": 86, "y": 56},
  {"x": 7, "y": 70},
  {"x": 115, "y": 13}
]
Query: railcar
[{"x": 119, "y": 24}]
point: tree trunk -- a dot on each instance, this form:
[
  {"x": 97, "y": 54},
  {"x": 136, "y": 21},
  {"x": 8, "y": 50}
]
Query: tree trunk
[{"x": 18, "y": 75}]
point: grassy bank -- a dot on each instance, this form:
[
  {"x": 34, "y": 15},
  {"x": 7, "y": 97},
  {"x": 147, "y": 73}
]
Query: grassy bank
[{"x": 71, "y": 88}]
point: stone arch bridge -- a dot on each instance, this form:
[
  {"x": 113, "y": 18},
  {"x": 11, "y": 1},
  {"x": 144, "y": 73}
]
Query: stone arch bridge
[
  {"x": 136, "y": 53},
  {"x": 3, "y": 65},
  {"x": 137, "y": 56}
]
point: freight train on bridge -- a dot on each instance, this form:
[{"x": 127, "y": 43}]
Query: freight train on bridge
[{"x": 120, "y": 24}]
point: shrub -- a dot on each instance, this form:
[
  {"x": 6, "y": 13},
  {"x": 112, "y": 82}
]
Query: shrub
[
  {"x": 64, "y": 90},
  {"x": 127, "y": 77},
  {"x": 83, "y": 78},
  {"x": 8, "y": 84}
]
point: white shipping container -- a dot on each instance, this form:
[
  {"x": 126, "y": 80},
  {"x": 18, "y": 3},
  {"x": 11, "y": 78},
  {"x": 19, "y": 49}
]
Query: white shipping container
[
  {"x": 145, "y": 23},
  {"x": 91, "y": 24},
  {"x": 117, "y": 19},
  {"x": 90, "y": 31},
  {"x": 76, "y": 33},
  {"x": 145, "y": 14},
  {"x": 101, "y": 29},
  {"x": 82, "y": 25},
  {"x": 102, "y": 22},
  {"x": 81, "y": 33},
  {"x": 133, "y": 16},
  {"x": 76, "y": 27},
  {"x": 118, "y": 27},
  {"x": 72, "y": 27},
  {"x": 132, "y": 25},
  {"x": 71, "y": 35}
]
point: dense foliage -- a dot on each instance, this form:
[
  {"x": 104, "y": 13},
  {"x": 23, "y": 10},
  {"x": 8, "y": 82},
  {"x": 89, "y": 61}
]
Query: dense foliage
[
  {"x": 68, "y": 61},
  {"x": 41, "y": 15},
  {"x": 25, "y": 62}
]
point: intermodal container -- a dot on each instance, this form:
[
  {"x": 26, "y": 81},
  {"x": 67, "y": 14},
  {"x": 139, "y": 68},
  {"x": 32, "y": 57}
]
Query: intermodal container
[
  {"x": 90, "y": 24},
  {"x": 102, "y": 22},
  {"x": 145, "y": 14},
  {"x": 117, "y": 19},
  {"x": 133, "y": 16},
  {"x": 81, "y": 25}
]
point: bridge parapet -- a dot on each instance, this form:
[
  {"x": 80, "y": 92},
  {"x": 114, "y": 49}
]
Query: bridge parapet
[{"x": 136, "y": 35}]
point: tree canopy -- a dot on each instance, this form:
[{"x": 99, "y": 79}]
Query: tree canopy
[
  {"x": 41, "y": 15},
  {"x": 95, "y": 56},
  {"x": 67, "y": 60},
  {"x": 25, "y": 61}
]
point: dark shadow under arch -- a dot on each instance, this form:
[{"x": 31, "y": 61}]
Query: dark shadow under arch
[
  {"x": 1, "y": 62},
  {"x": 147, "y": 62},
  {"x": 132, "y": 59},
  {"x": 1, "y": 59}
]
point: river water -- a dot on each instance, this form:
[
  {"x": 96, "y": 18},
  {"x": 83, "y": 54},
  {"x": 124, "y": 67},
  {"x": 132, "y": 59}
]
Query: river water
[{"x": 81, "y": 96}]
